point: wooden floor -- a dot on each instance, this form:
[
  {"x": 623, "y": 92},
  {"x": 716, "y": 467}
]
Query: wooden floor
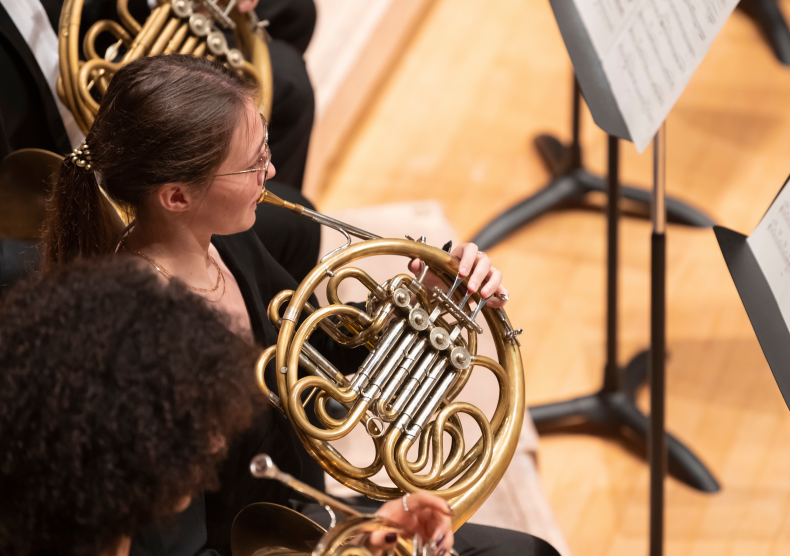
[{"x": 455, "y": 122}]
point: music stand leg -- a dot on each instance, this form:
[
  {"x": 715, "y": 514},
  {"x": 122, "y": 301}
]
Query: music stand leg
[
  {"x": 657, "y": 446},
  {"x": 613, "y": 408},
  {"x": 569, "y": 185},
  {"x": 768, "y": 15}
]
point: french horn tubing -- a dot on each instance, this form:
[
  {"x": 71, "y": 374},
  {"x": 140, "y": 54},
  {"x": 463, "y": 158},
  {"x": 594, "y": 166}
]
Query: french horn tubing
[
  {"x": 423, "y": 350},
  {"x": 174, "y": 26}
]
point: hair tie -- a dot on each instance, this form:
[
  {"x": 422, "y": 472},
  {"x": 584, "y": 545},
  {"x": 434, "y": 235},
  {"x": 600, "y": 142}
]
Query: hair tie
[{"x": 81, "y": 156}]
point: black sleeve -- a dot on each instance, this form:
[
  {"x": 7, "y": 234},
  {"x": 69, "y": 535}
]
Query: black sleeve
[{"x": 183, "y": 534}]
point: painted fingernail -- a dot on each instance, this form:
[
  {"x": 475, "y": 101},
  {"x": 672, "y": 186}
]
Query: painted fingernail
[
  {"x": 442, "y": 552},
  {"x": 439, "y": 539},
  {"x": 391, "y": 538}
]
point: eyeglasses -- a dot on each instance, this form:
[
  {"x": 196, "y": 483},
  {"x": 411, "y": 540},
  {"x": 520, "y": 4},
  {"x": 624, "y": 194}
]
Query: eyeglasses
[{"x": 262, "y": 164}]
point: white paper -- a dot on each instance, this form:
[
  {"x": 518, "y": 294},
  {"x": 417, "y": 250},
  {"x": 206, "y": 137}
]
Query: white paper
[
  {"x": 770, "y": 243},
  {"x": 649, "y": 50}
]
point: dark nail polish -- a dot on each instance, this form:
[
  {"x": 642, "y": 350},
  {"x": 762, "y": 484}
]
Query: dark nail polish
[
  {"x": 442, "y": 552},
  {"x": 439, "y": 539},
  {"x": 391, "y": 538}
]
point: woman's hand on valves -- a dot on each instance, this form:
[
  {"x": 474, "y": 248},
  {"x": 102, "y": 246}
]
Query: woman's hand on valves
[
  {"x": 475, "y": 265},
  {"x": 418, "y": 513}
]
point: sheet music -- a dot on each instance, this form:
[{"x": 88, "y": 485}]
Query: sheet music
[
  {"x": 649, "y": 50},
  {"x": 770, "y": 243}
]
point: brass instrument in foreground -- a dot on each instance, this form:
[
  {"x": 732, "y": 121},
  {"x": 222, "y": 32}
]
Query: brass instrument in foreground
[
  {"x": 268, "y": 529},
  {"x": 423, "y": 350},
  {"x": 174, "y": 26}
]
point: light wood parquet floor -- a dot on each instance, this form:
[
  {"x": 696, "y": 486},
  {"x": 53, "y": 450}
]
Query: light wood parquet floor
[{"x": 455, "y": 122}]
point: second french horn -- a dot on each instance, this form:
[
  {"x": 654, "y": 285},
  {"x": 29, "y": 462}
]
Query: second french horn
[{"x": 175, "y": 26}]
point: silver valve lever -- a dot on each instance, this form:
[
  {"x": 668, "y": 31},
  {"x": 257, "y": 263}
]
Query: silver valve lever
[
  {"x": 480, "y": 307},
  {"x": 464, "y": 300},
  {"x": 457, "y": 282}
]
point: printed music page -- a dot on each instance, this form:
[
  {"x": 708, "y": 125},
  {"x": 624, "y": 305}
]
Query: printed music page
[
  {"x": 649, "y": 49},
  {"x": 770, "y": 243}
]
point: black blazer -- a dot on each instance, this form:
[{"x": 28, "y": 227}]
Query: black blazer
[{"x": 29, "y": 117}]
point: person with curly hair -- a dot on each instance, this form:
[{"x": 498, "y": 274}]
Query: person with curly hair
[
  {"x": 119, "y": 394},
  {"x": 179, "y": 143}
]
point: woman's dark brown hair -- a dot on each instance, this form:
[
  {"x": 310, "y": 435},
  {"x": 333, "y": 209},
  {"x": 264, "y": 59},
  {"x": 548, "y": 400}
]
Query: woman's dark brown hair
[{"x": 164, "y": 119}]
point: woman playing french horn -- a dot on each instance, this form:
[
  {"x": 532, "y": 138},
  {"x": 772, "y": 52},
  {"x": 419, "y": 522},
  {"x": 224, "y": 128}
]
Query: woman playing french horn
[{"x": 179, "y": 143}]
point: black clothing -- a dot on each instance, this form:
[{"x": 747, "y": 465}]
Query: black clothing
[
  {"x": 293, "y": 110},
  {"x": 292, "y": 21},
  {"x": 29, "y": 117},
  {"x": 291, "y": 25},
  {"x": 181, "y": 535},
  {"x": 293, "y": 240}
]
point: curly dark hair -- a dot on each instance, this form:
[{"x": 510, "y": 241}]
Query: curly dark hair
[{"x": 115, "y": 391}]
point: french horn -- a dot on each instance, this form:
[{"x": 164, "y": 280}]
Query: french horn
[
  {"x": 297, "y": 535},
  {"x": 407, "y": 393},
  {"x": 175, "y": 26}
]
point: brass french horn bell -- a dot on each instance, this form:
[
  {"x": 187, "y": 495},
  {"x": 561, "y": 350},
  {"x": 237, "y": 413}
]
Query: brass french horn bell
[
  {"x": 25, "y": 184},
  {"x": 270, "y": 529},
  {"x": 174, "y": 26},
  {"x": 407, "y": 394}
]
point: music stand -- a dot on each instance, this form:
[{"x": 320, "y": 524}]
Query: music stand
[
  {"x": 570, "y": 184},
  {"x": 613, "y": 408},
  {"x": 760, "y": 303},
  {"x": 633, "y": 62}
]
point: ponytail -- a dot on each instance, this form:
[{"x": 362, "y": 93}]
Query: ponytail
[{"x": 79, "y": 220}]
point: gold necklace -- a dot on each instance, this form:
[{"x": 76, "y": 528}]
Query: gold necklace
[{"x": 164, "y": 272}]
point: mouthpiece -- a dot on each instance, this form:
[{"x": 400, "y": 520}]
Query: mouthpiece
[{"x": 271, "y": 199}]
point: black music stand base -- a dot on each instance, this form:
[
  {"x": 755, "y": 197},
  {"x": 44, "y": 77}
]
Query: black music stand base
[
  {"x": 569, "y": 185},
  {"x": 615, "y": 410}
]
